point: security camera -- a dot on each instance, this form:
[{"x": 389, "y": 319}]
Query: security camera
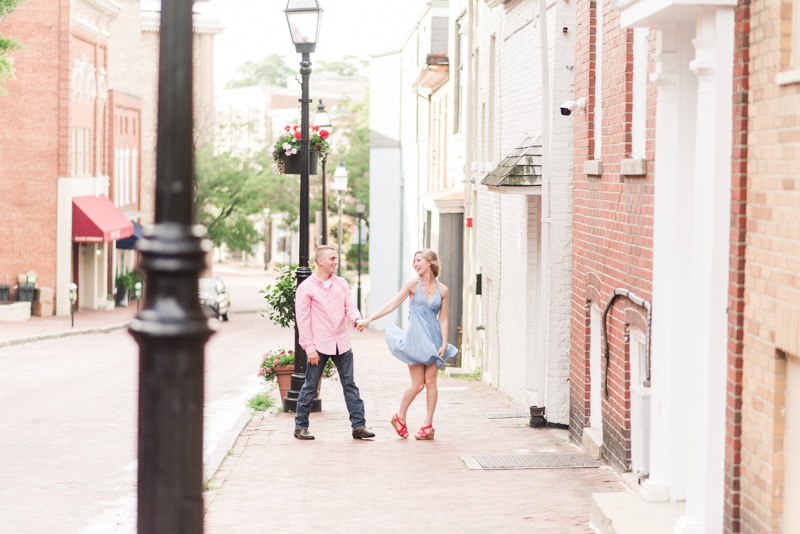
[{"x": 571, "y": 105}]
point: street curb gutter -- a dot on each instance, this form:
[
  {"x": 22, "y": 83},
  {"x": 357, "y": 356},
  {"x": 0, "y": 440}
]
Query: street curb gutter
[
  {"x": 67, "y": 333},
  {"x": 216, "y": 458}
]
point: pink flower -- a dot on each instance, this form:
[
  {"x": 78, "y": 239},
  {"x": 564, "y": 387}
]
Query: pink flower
[
  {"x": 298, "y": 135},
  {"x": 288, "y": 128},
  {"x": 296, "y": 127},
  {"x": 291, "y": 352},
  {"x": 324, "y": 134},
  {"x": 267, "y": 370},
  {"x": 315, "y": 128}
]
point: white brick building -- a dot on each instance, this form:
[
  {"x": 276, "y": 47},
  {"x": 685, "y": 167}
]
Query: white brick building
[{"x": 524, "y": 307}]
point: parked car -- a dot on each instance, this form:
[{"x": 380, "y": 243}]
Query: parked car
[{"x": 214, "y": 297}]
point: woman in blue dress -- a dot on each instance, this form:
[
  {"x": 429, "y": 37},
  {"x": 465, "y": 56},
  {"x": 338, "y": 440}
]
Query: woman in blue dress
[{"x": 424, "y": 346}]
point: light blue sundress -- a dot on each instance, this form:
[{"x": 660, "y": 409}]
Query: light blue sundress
[{"x": 420, "y": 345}]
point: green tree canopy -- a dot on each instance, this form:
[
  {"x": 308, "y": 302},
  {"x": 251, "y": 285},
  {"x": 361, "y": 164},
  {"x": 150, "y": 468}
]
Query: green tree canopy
[
  {"x": 272, "y": 70},
  {"x": 347, "y": 66},
  {"x": 7, "y": 44}
]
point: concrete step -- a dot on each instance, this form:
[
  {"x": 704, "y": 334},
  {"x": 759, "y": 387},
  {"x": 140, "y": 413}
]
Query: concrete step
[
  {"x": 627, "y": 513},
  {"x": 592, "y": 442}
]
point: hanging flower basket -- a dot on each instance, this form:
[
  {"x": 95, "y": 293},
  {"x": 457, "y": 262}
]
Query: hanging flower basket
[
  {"x": 286, "y": 151},
  {"x": 293, "y": 164}
]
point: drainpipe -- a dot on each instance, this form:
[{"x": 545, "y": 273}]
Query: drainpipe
[
  {"x": 469, "y": 298},
  {"x": 545, "y": 241},
  {"x": 639, "y": 301}
]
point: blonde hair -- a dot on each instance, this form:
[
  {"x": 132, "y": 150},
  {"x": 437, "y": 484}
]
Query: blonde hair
[
  {"x": 320, "y": 249},
  {"x": 431, "y": 257}
]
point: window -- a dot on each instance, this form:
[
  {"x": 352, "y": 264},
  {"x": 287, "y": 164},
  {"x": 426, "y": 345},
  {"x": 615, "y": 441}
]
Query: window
[
  {"x": 127, "y": 173},
  {"x": 460, "y": 92},
  {"x": 639, "y": 104},
  {"x": 134, "y": 176}
]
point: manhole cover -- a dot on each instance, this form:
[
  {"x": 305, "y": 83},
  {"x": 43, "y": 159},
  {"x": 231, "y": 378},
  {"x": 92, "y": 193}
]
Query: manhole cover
[
  {"x": 530, "y": 461},
  {"x": 507, "y": 415},
  {"x": 456, "y": 388}
]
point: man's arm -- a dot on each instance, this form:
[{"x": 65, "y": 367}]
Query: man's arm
[
  {"x": 302, "y": 312},
  {"x": 350, "y": 308}
]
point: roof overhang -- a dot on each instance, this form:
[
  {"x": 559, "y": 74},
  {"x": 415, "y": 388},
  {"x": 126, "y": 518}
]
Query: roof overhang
[
  {"x": 435, "y": 74},
  {"x": 97, "y": 220},
  {"x": 520, "y": 172},
  {"x": 444, "y": 201}
]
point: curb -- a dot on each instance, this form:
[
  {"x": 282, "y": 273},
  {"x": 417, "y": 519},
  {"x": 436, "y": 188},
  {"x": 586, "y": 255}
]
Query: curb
[
  {"x": 67, "y": 333},
  {"x": 215, "y": 459}
]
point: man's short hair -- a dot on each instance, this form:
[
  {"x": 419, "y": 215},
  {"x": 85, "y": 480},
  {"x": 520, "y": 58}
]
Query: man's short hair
[{"x": 318, "y": 252}]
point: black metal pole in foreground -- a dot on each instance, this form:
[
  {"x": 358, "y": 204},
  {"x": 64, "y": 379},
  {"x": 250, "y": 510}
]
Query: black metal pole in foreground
[
  {"x": 303, "y": 270},
  {"x": 324, "y": 202},
  {"x": 172, "y": 329}
]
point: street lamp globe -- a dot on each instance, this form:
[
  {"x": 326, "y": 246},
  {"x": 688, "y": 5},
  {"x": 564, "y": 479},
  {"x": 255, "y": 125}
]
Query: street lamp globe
[
  {"x": 322, "y": 120},
  {"x": 304, "y": 17},
  {"x": 340, "y": 178}
]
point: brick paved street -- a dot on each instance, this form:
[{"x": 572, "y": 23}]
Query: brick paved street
[
  {"x": 273, "y": 482},
  {"x": 68, "y": 420}
]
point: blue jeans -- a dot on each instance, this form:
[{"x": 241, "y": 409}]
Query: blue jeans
[{"x": 344, "y": 364}]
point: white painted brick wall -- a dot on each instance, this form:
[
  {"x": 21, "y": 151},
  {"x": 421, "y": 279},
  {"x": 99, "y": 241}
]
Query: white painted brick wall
[{"x": 507, "y": 225}]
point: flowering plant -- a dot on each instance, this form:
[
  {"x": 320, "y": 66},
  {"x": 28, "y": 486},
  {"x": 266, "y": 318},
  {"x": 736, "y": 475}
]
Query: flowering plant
[
  {"x": 288, "y": 143},
  {"x": 282, "y": 357}
]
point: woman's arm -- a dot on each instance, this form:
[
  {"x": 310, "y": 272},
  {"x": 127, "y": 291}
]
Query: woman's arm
[
  {"x": 390, "y": 306},
  {"x": 443, "y": 322}
]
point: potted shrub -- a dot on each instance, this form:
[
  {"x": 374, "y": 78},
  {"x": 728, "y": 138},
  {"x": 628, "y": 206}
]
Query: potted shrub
[
  {"x": 121, "y": 283},
  {"x": 278, "y": 365},
  {"x": 286, "y": 150}
]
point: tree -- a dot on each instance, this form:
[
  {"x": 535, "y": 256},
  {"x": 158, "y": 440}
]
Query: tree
[
  {"x": 347, "y": 66},
  {"x": 7, "y": 44},
  {"x": 272, "y": 70}
]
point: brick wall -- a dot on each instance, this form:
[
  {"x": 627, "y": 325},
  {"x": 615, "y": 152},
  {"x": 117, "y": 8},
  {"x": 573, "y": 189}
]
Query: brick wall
[
  {"x": 733, "y": 442},
  {"x": 32, "y": 140},
  {"x": 612, "y": 226},
  {"x": 772, "y": 262}
]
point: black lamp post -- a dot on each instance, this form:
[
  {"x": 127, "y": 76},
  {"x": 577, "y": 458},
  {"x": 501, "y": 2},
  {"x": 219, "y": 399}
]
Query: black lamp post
[
  {"x": 323, "y": 121},
  {"x": 360, "y": 209},
  {"x": 304, "y": 18},
  {"x": 172, "y": 329}
]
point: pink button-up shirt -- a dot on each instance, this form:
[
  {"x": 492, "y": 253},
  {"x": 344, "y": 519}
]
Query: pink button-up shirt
[{"x": 320, "y": 313}]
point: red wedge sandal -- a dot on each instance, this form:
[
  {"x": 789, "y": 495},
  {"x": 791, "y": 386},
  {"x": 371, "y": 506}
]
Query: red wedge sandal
[
  {"x": 402, "y": 430},
  {"x": 425, "y": 434}
]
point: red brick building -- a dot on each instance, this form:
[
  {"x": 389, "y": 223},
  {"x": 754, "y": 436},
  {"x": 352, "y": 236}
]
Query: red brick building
[{"x": 55, "y": 140}]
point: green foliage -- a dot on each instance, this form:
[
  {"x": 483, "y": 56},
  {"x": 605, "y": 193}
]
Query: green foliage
[
  {"x": 352, "y": 258},
  {"x": 283, "y": 358},
  {"x": 260, "y": 403},
  {"x": 228, "y": 192},
  {"x": 128, "y": 281},
  {"x": 280, "y": 297},
  {"x": 272, "y": 70},
  {"x": 356, "y": 157},
  {"x": 7, "y": 44},
  {"x": 347, "y": 66}
]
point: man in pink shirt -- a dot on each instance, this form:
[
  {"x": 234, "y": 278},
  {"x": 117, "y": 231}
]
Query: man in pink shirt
[{"x": 321, "y": 304}]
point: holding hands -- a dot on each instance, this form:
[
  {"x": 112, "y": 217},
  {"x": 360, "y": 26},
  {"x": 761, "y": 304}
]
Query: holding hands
[{"x": 363, "y": 323}]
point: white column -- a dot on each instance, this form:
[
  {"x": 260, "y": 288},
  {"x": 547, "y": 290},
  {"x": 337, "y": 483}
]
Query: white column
[
  {"x": 672, "y": 223},
  {"x": 710, "y": 252}
]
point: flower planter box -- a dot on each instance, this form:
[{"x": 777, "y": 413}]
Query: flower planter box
[{"x": 292, "y": 164}]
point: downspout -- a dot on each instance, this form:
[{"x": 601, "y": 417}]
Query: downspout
[
  {"x": 639, "y": 301},
  {"x": 470, "y": 263},
  {"x": 545, "y": 240}
]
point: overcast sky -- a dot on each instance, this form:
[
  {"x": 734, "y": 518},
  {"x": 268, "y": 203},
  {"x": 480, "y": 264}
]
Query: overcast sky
[{"x": 256, "y": 28}]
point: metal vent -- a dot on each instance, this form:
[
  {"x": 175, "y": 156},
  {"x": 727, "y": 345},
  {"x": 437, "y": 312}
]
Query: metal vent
[
  {"x": 530, "y": 461},
  {"x": 507, "y": 415}
]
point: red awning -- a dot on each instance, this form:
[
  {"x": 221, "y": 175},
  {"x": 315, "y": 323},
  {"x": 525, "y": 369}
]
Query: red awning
[{"x": 97, "y": 220}]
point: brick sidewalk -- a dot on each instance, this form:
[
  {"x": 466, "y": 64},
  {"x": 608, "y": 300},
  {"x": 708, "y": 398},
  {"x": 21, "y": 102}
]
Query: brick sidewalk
[{"x": 275, "y": 483}]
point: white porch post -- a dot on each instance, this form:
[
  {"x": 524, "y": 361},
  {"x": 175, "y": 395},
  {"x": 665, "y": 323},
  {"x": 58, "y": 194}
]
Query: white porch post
[
  {"x": 672, "y": 227},
  {"x": 711, "y": 225}
]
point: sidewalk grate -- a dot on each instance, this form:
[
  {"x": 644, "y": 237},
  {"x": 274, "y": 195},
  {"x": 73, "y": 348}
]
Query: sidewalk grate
[
  {"x": 530, "y": 461},
  {"x": 507, "y": 415}
]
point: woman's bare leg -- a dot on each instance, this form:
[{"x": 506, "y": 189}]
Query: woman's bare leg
[
  {"x": 417, "y": 383},
  {"x": 431, "y": 373}
]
